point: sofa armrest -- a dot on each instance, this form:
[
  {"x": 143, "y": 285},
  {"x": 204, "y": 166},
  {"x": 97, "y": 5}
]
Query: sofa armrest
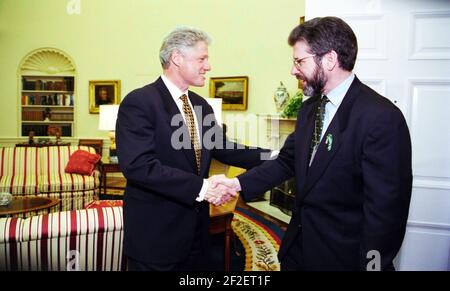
[
  {"x": 10, "y": 230},
  {"x": 55, "y": 241},
  {"x": 73, "y": 223},
  {"x": 61, "y": 224}
]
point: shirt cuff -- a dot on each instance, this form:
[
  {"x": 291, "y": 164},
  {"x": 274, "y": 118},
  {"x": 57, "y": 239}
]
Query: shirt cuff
[
  {"x": 201, "y": 195},
  {"x": 238, "y": 185},
  {"x": 274, "y": 154}
]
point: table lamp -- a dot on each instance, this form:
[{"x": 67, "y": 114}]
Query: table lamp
[
  {"x": 107, "y": 121},
  {"x": 216, "y": 104}
]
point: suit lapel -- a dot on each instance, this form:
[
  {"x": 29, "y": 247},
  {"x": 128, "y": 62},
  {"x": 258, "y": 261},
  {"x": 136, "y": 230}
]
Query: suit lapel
[
  {"x": 326, "y": 151},
  {"x": 172, "y": 109},
  {"x": 169, "y": 104},
  {"x": 304, "y": 130},
  {"x": 332, "y": 138}
]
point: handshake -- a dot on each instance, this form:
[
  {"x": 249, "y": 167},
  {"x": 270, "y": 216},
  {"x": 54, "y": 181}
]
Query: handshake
[{"x": 221, "y": 189}]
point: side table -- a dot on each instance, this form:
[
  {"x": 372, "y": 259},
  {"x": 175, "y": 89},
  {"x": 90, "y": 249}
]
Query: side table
[
  {"x": 106, "y": 166},
  {"x": 220, "y": 222}
]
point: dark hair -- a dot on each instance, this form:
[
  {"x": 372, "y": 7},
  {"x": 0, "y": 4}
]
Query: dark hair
[{"x": 324, "y": 34}]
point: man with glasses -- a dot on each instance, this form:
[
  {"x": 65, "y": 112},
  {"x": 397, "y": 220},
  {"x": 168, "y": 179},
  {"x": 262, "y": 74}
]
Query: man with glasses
[{"x": 351, "y": 157}]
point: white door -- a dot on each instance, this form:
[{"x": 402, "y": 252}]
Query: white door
[{"x": 404, "y": 54}]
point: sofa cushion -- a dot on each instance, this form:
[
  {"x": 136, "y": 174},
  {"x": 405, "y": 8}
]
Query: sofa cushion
[
  {"x": 19, "y": 184},
  {"x": 82, "y": 162},
  {"x": 19, "y": 160},
  {"x": 62, "y": 182}
]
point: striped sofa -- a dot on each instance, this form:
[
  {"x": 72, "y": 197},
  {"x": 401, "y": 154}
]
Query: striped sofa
[
  {"x": 40, "y": 171},
  {"x": 85, "y": 240}
]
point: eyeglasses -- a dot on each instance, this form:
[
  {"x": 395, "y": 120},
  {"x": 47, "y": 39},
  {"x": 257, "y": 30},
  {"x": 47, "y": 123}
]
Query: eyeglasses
[{"x": 298, "y": 62}]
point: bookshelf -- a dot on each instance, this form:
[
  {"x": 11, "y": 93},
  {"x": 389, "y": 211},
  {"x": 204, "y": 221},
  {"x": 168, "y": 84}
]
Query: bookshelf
[
  {"x": 47, "y": 105},
  {"x": 47, "y": 94}
]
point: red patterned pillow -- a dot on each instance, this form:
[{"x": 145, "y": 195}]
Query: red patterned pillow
[{"x": 82, "y": 162}]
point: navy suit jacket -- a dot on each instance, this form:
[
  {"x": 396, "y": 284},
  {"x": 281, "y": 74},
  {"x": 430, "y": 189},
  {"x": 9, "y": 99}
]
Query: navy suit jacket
[
  {"x": 355, "y": 195},
  {"x": 160, "y": 210}
]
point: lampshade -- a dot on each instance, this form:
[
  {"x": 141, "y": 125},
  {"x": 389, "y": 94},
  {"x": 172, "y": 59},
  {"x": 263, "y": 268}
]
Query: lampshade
[
  {"x": 216, "y": 104},
  {"x": 108, "y": 117}
]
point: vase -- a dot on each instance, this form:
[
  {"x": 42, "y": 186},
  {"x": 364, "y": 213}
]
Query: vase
[{"x": 281, "y": 97}]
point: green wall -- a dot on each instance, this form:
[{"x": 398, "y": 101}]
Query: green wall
[{"x": 120, "y": 40}]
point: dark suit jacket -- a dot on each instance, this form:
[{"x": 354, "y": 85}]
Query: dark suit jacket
[
  {"x": 160, "y": 210},
  {"x": 355, "y": 196}
]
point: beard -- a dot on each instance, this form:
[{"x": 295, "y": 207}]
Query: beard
[{"x": 314, "y": 86}]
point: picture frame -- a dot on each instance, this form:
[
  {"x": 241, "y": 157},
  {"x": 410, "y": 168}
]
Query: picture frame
[
  {"x": 103, "y": 92},
  {"x": 300, "y": 82},
  {"x": 232, "y": 90}
]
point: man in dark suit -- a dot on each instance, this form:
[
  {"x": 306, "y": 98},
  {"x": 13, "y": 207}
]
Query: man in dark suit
[
  {"x": 166, "y": 138},
  {"x": 350, "y": 155}
]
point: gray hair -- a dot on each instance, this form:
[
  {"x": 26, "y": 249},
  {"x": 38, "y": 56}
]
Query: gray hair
[{"x": 180, "y": 39}]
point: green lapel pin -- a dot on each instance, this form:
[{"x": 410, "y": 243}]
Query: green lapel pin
[{"x": 329, "y": 141}]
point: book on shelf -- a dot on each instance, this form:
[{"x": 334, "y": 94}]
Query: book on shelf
[
  {"x": 32, "y": 114},
  {"x": 50, "y": 99},
  {"x": 61, "y": 116},
  {"x": 28, "y": 85},
  {"x": 61, "y": 84}
]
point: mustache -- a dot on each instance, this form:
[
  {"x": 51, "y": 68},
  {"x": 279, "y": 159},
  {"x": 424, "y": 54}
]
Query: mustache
[{"x": 300, "y": 77}]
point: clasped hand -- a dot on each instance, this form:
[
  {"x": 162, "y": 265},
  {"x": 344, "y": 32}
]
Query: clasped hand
[{"x": 221, "y": 189}]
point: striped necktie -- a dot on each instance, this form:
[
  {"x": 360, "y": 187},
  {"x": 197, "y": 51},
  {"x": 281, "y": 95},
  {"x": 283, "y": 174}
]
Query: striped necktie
[
  {"x": 189, "y": 115},
  {"x": 318, "y": 126}
]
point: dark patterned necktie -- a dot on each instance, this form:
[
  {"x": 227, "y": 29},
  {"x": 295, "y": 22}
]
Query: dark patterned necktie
[
  {"x": 188, "y": 114},
  {"x": 318, "y": 125}
]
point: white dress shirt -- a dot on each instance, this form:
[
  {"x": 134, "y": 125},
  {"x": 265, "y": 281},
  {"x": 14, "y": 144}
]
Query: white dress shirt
[
  {"x": 335, "y": 96},
  {"x": 176, "y": 94}
]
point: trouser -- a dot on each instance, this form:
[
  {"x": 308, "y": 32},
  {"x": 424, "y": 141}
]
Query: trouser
[
  {"x": 291, "y": 261},
  {"x": 196, "y": 260}
]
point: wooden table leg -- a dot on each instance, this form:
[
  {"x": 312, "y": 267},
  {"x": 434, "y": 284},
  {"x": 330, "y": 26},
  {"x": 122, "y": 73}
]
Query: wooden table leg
[
  {"x": 228, "y": 232},
  {"x": 104, "y": 183}
]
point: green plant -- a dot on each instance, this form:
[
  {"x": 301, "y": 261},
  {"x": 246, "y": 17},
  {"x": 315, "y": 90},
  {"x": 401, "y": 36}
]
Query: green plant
[{"x": 293, "y": 106}]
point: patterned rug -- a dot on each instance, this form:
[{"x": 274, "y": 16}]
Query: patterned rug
[{"x": 260, "y": 238}]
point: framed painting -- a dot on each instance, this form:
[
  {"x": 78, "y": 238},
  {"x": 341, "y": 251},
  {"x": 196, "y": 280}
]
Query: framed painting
[
  {"x": 301, "y": 83},
  {"x": 232, "y": 90},
  {"x": 103, "y": 92}
]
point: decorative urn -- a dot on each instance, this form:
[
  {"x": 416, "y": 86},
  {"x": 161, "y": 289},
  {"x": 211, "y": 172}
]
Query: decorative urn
[{"x": 281, "y": 97}]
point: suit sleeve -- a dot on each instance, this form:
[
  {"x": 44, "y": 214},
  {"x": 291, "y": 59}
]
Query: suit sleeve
[
  {"x": 271, "y": 173},
  {"x": 387, "y": 176},
  {"x": 238, "y": 155},
  {"x": 225, "y": 151},
  {"x": 135, "y": 135}
]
